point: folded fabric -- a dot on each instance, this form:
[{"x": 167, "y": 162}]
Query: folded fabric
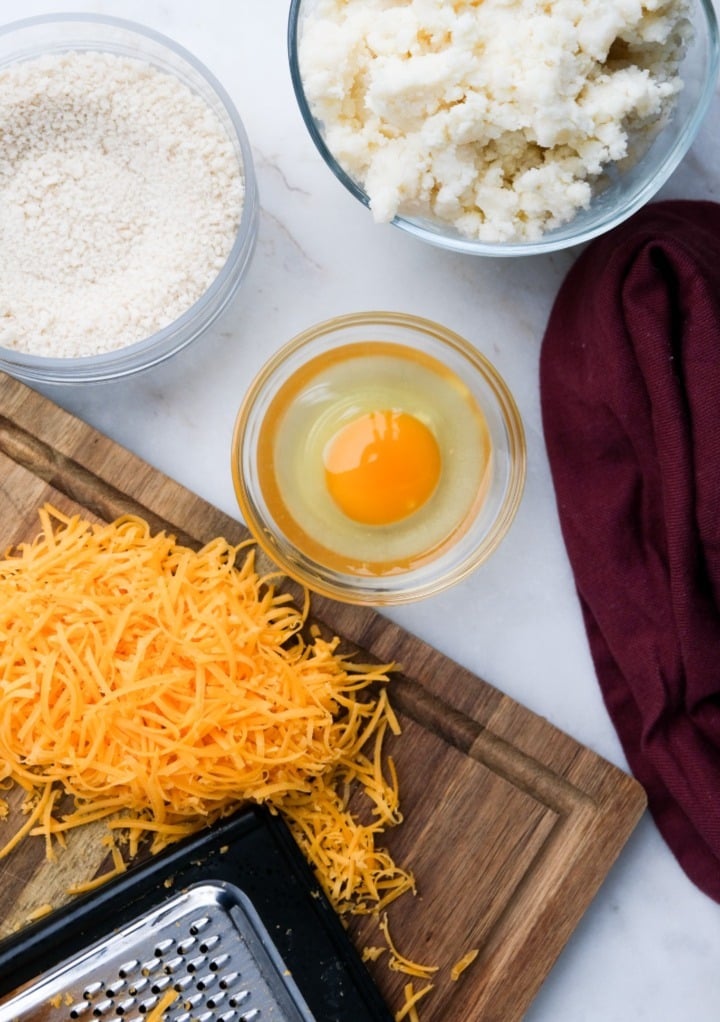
[{"x": 630, "y": 391}]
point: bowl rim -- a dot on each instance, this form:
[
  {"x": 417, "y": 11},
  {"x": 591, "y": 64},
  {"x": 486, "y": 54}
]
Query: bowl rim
[
  {"x": 128, "y": 359},
  {"x": 398, "y": 589},
  {"x": 552, "y": 241}
]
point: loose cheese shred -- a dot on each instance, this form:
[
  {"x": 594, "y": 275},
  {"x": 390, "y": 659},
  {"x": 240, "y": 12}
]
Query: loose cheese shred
[
  {"x": 160, "y": 688},
  {"x": 356, "y": 875},
  {"x": 371, "y": 953},
  {"x": 119, "y": 866},
  {"x": 44, "y": 797},
  {"x": 412, "y": 996},
  {"x": 59, "y": 999},
  {"x": 462, "y": 964},
  {"x": 169, "y": 997},
  {"x": 40, "y": 912},
  {"x": 399, "y": 962}
]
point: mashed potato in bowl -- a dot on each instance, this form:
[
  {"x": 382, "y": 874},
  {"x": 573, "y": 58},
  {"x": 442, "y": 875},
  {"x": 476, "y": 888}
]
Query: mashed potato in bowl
[{"x": 497, "y": 117}]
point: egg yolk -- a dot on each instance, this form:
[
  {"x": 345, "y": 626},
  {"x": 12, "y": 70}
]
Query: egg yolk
[{"x": 382, "y": 466}]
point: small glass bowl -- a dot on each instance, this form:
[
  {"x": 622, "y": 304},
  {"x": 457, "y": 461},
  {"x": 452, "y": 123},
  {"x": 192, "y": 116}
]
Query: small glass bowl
[
  {"x": 273, "y": 522},
  {"x": 53, "y": 34},
  {"x": 620, "y": 192}
]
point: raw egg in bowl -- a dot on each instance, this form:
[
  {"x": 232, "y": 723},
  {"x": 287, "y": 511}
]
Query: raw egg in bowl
[{"x": 378, "y": 458}]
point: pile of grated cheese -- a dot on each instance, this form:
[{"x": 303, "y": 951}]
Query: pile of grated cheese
[
  {"x": 161, "y": 687},
  {"x": 157, "y": 688}
]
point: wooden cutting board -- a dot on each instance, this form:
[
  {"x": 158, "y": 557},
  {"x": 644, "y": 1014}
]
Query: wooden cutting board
[{"x": 510, "y": 826}]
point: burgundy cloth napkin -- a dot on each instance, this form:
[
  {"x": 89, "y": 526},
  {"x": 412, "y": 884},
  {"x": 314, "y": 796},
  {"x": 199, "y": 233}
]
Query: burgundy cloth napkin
[{"x": 630, "y": 391}]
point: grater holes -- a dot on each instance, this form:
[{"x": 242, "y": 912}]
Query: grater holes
[
  {"x": 138, "y": 986},
  {"x": 147, "y": 1005},
  {"x": 217, "y": 963},
  {"x": 198, "y": 925},
  {"x": 203, "y": 982},
  {"x": 171, "y": 966},
  {"x": 195, "y": 963},
  {"x": 160, "y": 985},
  {"x": 209, "y": 943},
  {"x": 211, "y": 972},
  {"x": 150, "y": 966},
  {"x": 194, "y": 967},
  {"x": 216, "y": 999},
  {"x": 238, "y": 999},
  {"x": 128, "y": 968}
]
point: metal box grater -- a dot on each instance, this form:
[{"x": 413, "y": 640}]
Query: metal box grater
[
  {"x": 241, "y": 889},
  {"x": 203, "y": 955}
]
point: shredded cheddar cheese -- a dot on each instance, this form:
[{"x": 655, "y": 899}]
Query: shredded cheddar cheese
[
  {"x": 401, "y": 963},
  {"x": 160, "y": 687},
  {"x": 412, "y": 996},
  {"x": 168, "y": 998},
  {"x": 157, "y": 688},
  {"x": 39, "y": 912},
  {"x": 356, "y": 874},
  {"x": 459, "y": 967}
]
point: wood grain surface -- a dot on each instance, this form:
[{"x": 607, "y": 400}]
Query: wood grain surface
[{"x": 510, "y": 825}]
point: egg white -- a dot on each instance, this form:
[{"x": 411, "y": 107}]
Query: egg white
[{"x": 339, "y": 393}]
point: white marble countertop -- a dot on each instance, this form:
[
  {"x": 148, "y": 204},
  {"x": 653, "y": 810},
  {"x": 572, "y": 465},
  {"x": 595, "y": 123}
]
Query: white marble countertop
[{"x": 649, "y": 946}]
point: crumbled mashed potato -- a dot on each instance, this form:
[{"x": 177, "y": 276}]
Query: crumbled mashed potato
[{"x": 495, "y": 116}]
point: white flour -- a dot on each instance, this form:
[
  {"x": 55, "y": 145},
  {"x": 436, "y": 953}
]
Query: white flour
[{"x": 120, "y": 196}]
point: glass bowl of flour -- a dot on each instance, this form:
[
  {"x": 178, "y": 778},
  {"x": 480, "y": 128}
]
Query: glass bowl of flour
[
  {"x": 128, "y": 200},
  {"x": 509, "y": 127}
]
